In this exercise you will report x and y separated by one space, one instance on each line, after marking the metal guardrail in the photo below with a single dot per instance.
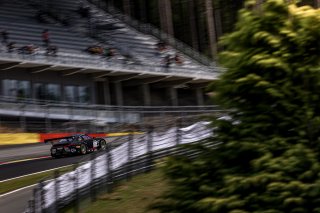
88 62
91 118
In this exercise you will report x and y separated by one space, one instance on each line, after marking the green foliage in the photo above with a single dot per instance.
269 159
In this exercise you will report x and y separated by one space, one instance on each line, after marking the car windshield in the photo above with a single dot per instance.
66 140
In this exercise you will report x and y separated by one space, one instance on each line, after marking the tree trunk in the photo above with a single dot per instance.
193 25
317 3
211 29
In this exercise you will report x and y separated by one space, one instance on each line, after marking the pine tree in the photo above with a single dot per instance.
268 161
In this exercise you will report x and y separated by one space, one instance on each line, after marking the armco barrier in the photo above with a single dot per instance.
135 155
18 138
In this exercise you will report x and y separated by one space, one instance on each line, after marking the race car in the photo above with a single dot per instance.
75 144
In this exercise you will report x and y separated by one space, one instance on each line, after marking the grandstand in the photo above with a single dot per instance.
137 73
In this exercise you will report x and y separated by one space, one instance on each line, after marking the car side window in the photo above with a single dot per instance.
86 137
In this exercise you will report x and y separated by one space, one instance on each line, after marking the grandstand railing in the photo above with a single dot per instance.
91 116
88 62
134 155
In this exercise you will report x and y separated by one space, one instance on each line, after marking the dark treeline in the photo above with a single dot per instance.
198 23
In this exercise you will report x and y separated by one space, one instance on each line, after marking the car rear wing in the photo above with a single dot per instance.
52 140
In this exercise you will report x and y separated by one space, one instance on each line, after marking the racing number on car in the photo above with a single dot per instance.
95 144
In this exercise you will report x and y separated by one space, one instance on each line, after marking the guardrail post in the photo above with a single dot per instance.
76 188
56 190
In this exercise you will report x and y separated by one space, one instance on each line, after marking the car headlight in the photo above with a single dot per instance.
53 151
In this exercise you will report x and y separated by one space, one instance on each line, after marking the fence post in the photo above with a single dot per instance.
36 200
109 168
76 187
42 200
56 190
149 148
178 132
93 194
130 149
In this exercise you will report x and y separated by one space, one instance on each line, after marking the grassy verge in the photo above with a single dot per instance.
130 197
18 183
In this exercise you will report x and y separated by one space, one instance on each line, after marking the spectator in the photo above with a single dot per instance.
28 49
95 49
45 37
161 46
5 36
11 46
52 50
178 59
167 61
41 17
84 11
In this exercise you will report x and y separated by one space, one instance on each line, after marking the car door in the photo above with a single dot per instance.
89 141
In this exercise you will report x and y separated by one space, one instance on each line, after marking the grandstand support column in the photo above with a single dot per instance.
119 94
107 97
63 98
173 96
200 99
146 94
93 93
1 88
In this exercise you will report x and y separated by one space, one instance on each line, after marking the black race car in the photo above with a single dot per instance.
75 144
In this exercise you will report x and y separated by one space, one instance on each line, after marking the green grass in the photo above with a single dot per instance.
130 197
18 183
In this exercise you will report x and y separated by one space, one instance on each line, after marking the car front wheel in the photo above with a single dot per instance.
103 145
83 149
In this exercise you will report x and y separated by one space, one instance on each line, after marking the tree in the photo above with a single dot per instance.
269 159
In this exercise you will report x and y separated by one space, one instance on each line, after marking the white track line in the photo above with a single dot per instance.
17 190
35 173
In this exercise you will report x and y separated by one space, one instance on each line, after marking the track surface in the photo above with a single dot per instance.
17 161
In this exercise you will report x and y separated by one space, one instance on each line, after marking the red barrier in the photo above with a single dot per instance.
44 136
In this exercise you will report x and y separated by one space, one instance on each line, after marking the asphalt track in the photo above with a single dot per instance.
23 160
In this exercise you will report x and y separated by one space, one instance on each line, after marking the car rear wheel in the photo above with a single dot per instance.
83 149
103 144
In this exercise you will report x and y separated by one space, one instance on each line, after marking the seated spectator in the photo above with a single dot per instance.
167 61
41 16
11 46
178 59
83 10
28 49
95 50
5 36
161 46
52 50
